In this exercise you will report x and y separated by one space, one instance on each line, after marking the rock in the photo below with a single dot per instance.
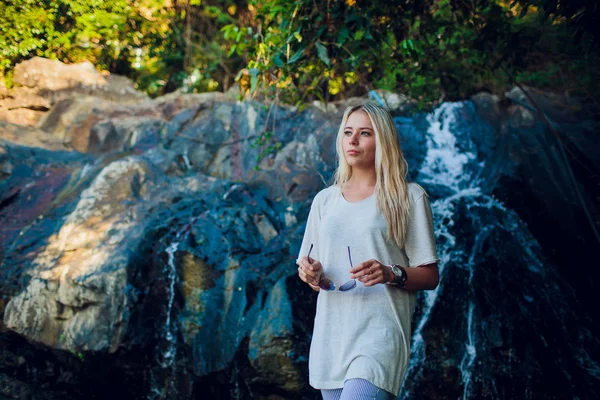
76 298
182 280
72 121
201 134
55 81
237 139
488 106
24 97
12 388
21 116
30 136
330 108
6 167
271 350
46 74
389 100
265 227
172 103
3 89
23 106
41 83
124 134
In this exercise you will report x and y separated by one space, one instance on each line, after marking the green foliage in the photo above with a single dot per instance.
438 50
62 29
152 41
302 50
267 144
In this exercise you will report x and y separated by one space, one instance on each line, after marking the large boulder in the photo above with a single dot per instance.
55 80
41 83
73 121
76 298
30 137
170 271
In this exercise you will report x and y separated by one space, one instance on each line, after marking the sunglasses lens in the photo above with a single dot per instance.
348 286
326 284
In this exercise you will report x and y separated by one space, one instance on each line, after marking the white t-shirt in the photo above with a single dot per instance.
365 332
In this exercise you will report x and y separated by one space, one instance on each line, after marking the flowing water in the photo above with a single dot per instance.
164 377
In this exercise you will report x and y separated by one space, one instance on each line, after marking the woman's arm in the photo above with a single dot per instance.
423 277
372 272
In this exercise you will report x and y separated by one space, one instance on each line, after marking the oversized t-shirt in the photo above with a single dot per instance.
365 332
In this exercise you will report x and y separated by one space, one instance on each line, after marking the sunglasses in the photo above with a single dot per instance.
327 284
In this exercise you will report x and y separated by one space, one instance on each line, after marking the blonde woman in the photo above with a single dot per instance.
368 247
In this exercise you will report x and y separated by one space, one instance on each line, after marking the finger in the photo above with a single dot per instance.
357 268
303 259
310 274
305 264
365 275
359 272
302 275
373 281
316 266
362 266
373 278
360 269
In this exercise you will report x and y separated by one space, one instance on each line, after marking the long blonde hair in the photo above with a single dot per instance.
391 169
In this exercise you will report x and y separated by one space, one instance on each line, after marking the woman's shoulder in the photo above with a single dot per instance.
415 191
326 194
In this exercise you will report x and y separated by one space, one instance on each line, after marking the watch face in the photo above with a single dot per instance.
400 274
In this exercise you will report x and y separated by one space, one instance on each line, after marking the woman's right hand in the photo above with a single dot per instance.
310 271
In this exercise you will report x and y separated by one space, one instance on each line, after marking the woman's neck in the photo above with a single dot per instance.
363 178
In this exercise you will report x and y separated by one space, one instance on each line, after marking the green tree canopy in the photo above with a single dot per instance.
303 50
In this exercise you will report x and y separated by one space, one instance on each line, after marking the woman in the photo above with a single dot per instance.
361 340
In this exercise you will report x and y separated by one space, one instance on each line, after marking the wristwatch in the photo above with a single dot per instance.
400 275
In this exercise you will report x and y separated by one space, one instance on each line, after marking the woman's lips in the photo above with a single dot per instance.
352 152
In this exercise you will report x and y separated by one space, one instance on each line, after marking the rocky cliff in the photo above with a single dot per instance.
147 246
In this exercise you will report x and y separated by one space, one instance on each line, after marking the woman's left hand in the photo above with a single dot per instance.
372 272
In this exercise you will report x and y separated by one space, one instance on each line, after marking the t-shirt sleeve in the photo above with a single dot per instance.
311 233
420 238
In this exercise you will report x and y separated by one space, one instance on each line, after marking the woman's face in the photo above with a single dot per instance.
359 141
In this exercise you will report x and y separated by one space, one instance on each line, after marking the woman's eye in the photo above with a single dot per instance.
365 133
347 133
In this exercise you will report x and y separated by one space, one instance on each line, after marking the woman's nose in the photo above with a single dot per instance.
354 138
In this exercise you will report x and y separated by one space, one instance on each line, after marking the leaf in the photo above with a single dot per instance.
232 50
296 55
358 35
343 35
253 79
322 53
277 60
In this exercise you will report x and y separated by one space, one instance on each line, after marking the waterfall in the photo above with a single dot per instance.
448 166
169 355
164 385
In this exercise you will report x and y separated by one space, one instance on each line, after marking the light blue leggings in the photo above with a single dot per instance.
357 389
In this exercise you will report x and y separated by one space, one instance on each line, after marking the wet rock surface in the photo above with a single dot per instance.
152 246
